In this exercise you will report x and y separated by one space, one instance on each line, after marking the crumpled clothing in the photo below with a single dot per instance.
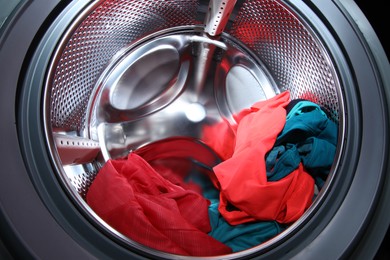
308 136
239 237
301 106
243 236
281 161
308 121
138 202
243 177
221 137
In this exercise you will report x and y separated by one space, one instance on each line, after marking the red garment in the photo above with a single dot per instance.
138 202
177 176
242 178
221 137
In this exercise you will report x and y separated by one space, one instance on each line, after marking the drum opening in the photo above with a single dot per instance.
129 79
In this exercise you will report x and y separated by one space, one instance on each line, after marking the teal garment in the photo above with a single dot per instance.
308 136
239 237
317 154
243 236
304 106
309 124
281 161
202 179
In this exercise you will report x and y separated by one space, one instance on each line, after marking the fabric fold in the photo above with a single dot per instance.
138 202
243 177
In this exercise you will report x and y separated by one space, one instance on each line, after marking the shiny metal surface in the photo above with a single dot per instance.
288 47
110 26
218 16
133 74
216 19
75 149
140 100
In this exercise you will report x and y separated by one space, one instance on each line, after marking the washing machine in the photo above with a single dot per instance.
87 82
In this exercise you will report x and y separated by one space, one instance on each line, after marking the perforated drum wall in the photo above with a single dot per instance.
107 29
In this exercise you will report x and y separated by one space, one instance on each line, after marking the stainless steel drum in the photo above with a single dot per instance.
129 73
119 75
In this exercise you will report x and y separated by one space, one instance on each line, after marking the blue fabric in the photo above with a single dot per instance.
238 237
317 154
308 136
203 181
243 236
303 106
281 161
310 124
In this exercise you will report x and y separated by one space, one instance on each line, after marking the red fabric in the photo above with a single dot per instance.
221 137
181 169
242 177
138 202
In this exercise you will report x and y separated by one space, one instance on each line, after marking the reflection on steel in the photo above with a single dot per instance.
130 76
218 16
76 149
179 147
151 91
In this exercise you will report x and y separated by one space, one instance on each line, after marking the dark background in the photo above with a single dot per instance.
376 13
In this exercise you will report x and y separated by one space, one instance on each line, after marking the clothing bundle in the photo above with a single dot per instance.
272 158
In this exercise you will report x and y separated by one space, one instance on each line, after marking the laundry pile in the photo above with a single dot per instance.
272 158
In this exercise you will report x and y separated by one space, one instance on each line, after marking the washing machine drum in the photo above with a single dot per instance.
115 113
